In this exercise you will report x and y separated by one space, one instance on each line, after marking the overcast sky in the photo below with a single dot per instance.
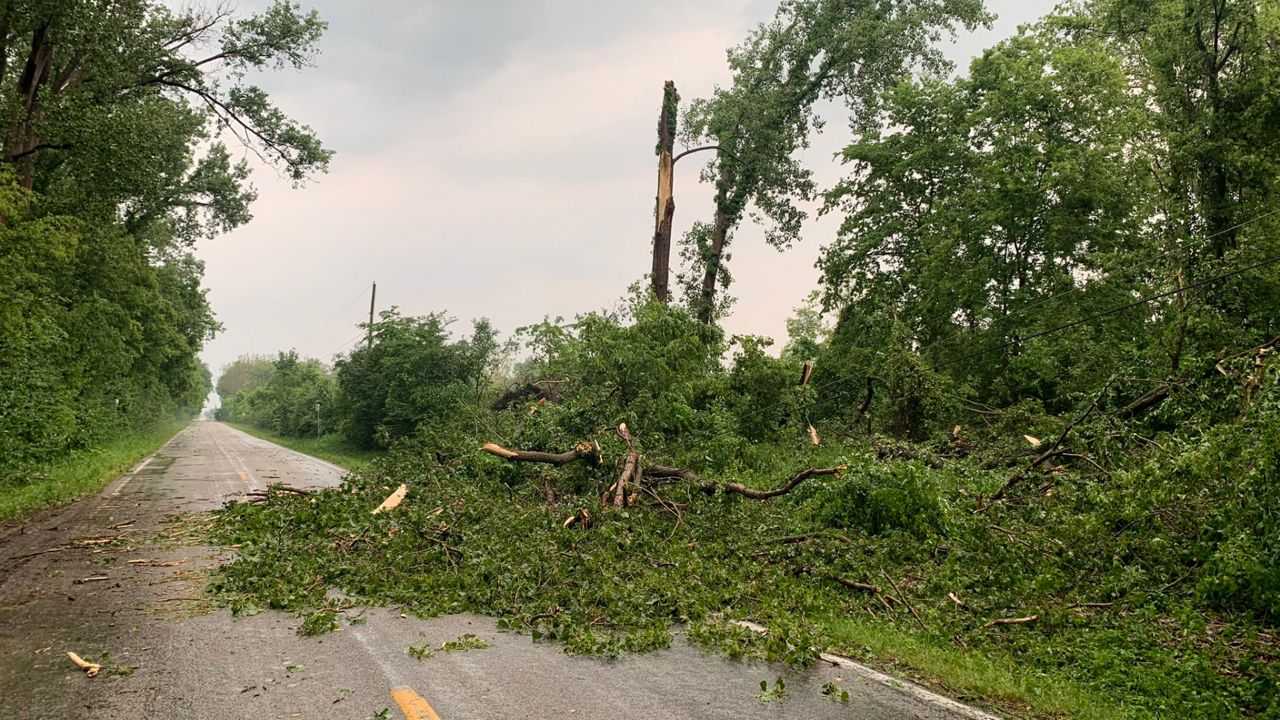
495 159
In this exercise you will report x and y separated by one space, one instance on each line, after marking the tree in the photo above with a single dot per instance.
87 71
978 200
112 167
847 50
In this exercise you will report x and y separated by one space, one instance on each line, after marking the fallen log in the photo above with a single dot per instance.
589 451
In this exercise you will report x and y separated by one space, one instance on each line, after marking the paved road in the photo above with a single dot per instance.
120 575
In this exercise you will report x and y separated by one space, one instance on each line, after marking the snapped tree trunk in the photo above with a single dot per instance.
665 206
715 253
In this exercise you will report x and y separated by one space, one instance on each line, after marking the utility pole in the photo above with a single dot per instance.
373 296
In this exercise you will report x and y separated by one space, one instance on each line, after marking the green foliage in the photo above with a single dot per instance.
112 170
882 500
650 366
777 692
413 377
849 51
289 397
835 692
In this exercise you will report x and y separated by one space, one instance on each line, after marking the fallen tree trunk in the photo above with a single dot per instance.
589 451
653 475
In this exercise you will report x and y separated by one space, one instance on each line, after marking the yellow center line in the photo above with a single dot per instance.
412 704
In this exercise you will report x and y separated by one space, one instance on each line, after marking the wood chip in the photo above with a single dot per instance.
1035 441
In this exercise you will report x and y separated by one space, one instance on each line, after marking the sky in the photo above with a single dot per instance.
494 158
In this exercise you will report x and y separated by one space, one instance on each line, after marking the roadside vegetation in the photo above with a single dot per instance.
113 166
63 480
333 448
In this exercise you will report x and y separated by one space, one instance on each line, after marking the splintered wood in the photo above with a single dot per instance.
90 669
393 500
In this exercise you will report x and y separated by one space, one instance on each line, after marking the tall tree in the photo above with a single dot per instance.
111 166
845 50
976 201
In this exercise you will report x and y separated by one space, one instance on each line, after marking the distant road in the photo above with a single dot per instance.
121 575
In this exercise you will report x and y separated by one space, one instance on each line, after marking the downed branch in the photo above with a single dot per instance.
855 585
1049 452
630 469
90 669
589 451
1012 621
393 500
530 390
790 485
662 475
258 496
581 517
903 598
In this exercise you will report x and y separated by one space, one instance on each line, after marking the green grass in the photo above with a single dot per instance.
333 448
81 473
992 678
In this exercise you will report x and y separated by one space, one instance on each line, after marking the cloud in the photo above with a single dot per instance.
493 159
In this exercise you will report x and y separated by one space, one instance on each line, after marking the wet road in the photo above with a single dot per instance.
120 577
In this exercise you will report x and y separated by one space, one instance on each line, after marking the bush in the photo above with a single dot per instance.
883 499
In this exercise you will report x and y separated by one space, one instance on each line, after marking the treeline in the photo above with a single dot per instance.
113 168
411 374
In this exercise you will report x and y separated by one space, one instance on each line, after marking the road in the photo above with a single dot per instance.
120 577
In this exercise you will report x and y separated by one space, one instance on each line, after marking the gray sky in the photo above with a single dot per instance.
495 159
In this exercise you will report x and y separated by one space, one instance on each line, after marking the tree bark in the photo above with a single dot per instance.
22 139
719 233
665 205
589 451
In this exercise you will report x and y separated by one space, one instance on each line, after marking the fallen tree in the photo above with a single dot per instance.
635 473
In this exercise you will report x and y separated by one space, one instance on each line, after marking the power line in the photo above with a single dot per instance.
339 314
345 345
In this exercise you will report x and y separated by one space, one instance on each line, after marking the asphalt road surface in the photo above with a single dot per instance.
119 577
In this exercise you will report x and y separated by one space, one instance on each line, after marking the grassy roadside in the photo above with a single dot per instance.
80 473
332 448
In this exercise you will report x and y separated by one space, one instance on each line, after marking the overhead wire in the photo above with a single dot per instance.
302 345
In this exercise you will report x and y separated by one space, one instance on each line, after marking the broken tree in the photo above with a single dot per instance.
665 208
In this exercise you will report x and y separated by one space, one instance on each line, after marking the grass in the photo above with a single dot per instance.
81 473
332 448
990 678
